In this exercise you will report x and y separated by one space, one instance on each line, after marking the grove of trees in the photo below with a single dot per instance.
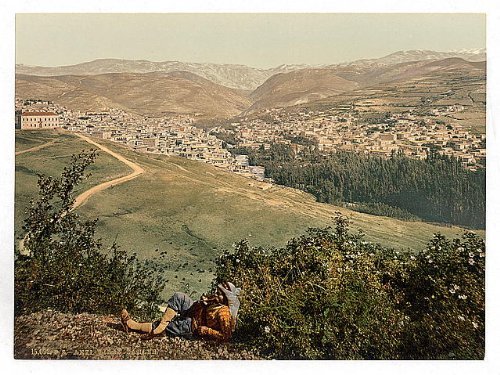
436 189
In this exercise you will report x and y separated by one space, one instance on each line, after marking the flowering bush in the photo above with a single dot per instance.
331 295
445 300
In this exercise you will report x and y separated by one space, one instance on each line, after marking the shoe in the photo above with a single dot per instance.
124 317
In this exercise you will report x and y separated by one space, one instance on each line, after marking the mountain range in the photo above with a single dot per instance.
214 90
474 55
231 75
153 93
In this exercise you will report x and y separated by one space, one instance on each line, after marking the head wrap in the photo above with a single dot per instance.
232 298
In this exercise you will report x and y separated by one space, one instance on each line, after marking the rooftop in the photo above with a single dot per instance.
38 114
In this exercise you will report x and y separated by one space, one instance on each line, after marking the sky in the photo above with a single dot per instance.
258 40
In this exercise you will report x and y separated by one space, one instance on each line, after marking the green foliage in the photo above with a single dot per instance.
436 189
228 138
63 265
301 140
445 300
331 295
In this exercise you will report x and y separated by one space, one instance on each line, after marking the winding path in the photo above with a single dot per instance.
83 197
137 170
36 148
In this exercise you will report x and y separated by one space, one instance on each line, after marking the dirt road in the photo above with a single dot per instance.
137 170
36 148
82 198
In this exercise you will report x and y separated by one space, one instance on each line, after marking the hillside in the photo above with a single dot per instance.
150 93
418 86
409 70
301 86
397 57
230 75
192 211
53 152
323 85
233 75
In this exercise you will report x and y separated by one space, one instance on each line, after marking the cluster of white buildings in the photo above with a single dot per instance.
335 131
174 136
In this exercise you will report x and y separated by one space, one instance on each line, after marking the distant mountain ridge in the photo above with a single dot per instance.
308 85
154 93
473 55
232 75
183 91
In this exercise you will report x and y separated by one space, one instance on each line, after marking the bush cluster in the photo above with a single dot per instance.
328 294
63 266
331 295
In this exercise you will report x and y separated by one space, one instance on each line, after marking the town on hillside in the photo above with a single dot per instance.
340 128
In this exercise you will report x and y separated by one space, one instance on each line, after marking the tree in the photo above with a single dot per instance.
64 267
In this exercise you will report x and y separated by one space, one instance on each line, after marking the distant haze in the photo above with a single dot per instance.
258 40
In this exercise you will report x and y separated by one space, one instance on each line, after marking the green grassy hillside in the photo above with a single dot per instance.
191 212
51 160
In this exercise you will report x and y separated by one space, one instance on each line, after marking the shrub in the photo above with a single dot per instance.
331 295
316 298
445 300
64 267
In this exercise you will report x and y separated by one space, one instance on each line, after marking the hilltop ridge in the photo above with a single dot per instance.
236 76
184 92
153 93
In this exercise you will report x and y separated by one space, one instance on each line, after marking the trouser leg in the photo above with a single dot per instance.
179 302
166 318
132 324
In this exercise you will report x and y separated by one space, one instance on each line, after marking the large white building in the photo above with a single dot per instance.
37 120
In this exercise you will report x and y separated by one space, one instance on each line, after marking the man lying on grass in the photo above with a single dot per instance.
210 317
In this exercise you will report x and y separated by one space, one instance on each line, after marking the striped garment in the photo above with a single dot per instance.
213 321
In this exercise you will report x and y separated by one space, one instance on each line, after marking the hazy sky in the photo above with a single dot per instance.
259 40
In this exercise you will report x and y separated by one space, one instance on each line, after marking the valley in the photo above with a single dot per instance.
168 117
278 184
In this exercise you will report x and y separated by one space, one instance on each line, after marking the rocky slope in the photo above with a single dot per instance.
150 93
230 75
54 335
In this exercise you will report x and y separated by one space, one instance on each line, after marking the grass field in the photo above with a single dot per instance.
51 161
26 140
191 211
